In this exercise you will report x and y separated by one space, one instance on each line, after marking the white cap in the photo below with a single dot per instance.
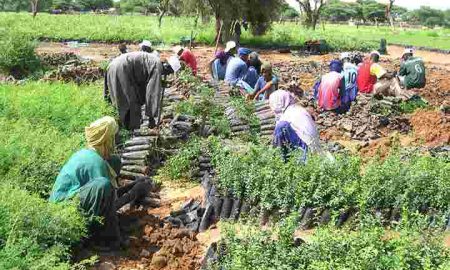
177 49
344 55
145 43
375 52
174 63
409 50
230 45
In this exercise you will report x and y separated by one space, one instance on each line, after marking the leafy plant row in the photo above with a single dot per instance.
369 248
35 234
258 174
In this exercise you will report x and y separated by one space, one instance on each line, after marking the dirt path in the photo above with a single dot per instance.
100 52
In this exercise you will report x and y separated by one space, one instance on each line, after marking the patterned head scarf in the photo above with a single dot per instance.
279 101
100 136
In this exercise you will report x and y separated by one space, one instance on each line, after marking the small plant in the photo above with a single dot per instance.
181 165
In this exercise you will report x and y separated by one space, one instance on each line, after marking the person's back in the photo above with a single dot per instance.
82 167
189 58
350 74
414 71
365 80
329 91
236 70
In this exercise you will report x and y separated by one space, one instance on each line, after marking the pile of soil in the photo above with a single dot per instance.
431 127
158 245
437 90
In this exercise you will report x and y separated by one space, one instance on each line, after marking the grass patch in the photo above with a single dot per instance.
107 28
42 125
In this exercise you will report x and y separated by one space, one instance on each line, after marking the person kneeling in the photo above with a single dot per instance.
91 175
295 127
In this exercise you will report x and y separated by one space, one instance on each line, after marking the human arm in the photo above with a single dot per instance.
260 90
342 87
316 89
402 71
210 64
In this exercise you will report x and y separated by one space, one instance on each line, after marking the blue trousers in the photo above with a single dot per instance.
286 138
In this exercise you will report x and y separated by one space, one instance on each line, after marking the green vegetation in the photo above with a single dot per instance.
181 165
135 28
369 248
411 182
35 234
204 107
42 125
17 55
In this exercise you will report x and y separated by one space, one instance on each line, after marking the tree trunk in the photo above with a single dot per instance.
34 7
218 37
389 13
161 15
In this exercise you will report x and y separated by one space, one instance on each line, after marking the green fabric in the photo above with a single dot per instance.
414 71
85 174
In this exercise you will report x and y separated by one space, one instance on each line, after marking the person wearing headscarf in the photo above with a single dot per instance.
218 65
91 175
295 128
330 88
266 84
186 56
134 79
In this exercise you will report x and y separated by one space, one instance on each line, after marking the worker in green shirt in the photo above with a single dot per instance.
412 71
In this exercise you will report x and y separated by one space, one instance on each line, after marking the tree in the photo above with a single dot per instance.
34 7
311 10
339 11
389 15
287 12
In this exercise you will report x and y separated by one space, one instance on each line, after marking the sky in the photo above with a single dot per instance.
409 4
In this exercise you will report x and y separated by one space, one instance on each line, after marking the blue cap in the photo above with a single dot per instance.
244 51
336 65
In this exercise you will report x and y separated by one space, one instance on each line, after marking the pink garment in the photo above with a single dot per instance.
328 96
279 101
189 58
303 125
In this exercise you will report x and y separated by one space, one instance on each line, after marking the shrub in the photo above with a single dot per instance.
35 234
17 54
369 248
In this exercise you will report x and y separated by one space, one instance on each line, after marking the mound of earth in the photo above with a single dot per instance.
431 127
158 245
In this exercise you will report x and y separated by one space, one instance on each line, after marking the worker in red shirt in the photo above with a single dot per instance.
187 57
374 79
